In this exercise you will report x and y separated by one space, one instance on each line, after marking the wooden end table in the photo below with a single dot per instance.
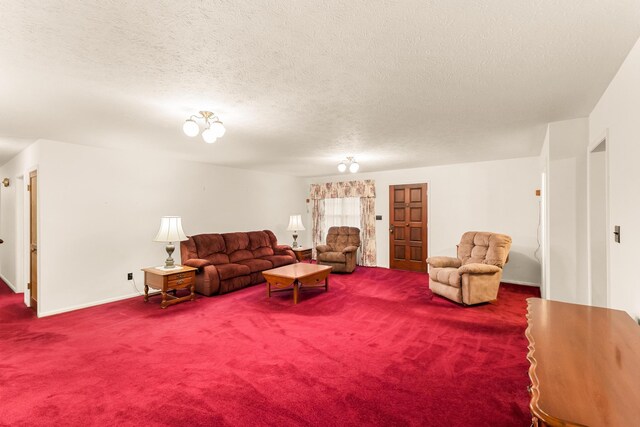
297 276
170 280
302 254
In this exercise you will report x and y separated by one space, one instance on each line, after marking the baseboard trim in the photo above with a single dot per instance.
9 284
87 305
519 282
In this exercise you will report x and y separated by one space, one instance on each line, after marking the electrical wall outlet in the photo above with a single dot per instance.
129 276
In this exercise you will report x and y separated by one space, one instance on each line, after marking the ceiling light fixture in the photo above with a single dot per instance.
351 163
213 130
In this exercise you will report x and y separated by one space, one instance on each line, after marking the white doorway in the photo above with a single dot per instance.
597 223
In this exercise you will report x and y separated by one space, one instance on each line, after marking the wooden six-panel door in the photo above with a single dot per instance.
408 227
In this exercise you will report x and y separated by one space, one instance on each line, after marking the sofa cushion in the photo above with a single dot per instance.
229 271
236 241
256 265
240 255
211 247
447 275
484 248
238 246
332 257
279 260
258 239
262 252
260 244
341 237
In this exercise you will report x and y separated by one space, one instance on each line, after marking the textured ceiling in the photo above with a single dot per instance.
300 85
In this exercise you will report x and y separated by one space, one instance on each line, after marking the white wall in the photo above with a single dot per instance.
12 268
618 111
564 153
545 247
598 230
100 210
494 196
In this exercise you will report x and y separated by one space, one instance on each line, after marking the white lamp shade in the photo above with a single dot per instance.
342 167
170 230
190 128
218 129
295 223
353 167
209 136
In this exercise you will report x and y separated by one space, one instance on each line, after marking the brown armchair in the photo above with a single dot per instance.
340 250
474 276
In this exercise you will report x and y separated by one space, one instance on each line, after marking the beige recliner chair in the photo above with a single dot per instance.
340 250
474 276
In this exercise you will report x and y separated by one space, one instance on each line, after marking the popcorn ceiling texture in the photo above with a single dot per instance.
300 85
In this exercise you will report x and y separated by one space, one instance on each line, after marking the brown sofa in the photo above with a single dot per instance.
231 261
340 250
474 276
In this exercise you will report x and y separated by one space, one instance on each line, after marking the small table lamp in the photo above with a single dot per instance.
295 225
170 231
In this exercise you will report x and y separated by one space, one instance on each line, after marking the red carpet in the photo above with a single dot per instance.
377 349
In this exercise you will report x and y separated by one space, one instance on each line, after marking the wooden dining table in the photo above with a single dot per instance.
584 365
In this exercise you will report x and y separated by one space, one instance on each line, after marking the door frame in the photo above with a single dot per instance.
24 251
388 222
592 146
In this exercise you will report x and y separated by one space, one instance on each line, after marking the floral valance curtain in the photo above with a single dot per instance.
338 190
366 191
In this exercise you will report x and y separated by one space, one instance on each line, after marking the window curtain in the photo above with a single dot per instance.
366 192
317 217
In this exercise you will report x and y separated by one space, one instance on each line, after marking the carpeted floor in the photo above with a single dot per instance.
377 349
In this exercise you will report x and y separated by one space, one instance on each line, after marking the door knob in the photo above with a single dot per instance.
391 228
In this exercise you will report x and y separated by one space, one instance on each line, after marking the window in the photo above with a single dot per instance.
341 212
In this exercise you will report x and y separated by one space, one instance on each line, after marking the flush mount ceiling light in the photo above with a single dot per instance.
213 127
350 163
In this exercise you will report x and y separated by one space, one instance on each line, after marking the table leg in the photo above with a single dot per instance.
326 284
164 304
146 293
268 289
296 289
193 291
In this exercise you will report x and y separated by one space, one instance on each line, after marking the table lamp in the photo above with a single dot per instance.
170 231
295 225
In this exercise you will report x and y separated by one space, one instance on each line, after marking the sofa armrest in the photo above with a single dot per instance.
443 262
476 268
323 248
282 249
197 263
349 249
208 283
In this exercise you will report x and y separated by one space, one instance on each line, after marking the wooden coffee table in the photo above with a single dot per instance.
297 276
